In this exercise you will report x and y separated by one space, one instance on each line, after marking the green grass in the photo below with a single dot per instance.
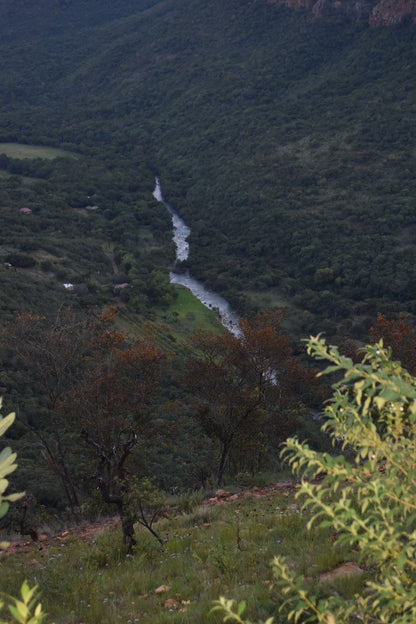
20 150
186 315
190 312
209 552
172 328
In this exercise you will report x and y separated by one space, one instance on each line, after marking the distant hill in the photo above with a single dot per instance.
284 138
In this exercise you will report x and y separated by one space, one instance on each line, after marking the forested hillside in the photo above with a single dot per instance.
286 141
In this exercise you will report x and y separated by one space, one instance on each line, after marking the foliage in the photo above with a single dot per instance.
27 610
212 550
111 410
281 139
242 386
89 226
7 466
94 383
368 500
399 334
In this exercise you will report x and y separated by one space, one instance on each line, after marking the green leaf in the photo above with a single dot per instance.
27 593
3 508
6 422
12 498
7 466
5 453
16 614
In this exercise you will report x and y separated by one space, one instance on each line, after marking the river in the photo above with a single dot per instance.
208 298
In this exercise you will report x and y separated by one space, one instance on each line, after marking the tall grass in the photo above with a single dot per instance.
211 551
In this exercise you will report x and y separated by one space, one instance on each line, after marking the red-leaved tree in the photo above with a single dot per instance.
240 382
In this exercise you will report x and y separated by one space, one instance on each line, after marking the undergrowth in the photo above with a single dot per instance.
208 551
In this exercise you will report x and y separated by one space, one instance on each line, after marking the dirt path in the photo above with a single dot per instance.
82 533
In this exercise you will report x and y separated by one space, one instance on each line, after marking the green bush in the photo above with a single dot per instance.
21 260
367 498
26 610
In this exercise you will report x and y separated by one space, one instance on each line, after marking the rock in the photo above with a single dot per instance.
375 12
346 569
161 589
221 494
389 12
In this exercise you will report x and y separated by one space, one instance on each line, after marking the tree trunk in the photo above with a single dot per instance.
225 451
127 525
128 529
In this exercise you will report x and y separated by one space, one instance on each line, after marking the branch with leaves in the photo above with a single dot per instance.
27 610
366 495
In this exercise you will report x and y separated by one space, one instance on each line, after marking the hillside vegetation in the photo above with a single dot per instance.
71 220
285 141
208 550
355 506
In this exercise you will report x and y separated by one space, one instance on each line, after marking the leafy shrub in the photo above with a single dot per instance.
26 610
369 502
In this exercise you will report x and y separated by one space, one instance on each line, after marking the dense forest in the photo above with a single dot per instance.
284 140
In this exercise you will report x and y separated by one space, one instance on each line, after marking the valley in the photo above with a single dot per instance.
284 140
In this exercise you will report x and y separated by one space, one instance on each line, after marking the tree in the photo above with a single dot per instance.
159 290
400 335
240 380
98 384
111 407
51 354
368 500
144 503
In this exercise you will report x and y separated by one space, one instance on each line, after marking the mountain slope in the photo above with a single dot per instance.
285 141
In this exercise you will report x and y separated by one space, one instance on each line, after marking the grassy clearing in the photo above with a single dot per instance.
212 551
186 315
190 312
20 150
173 327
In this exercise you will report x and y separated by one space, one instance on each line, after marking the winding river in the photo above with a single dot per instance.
207 297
